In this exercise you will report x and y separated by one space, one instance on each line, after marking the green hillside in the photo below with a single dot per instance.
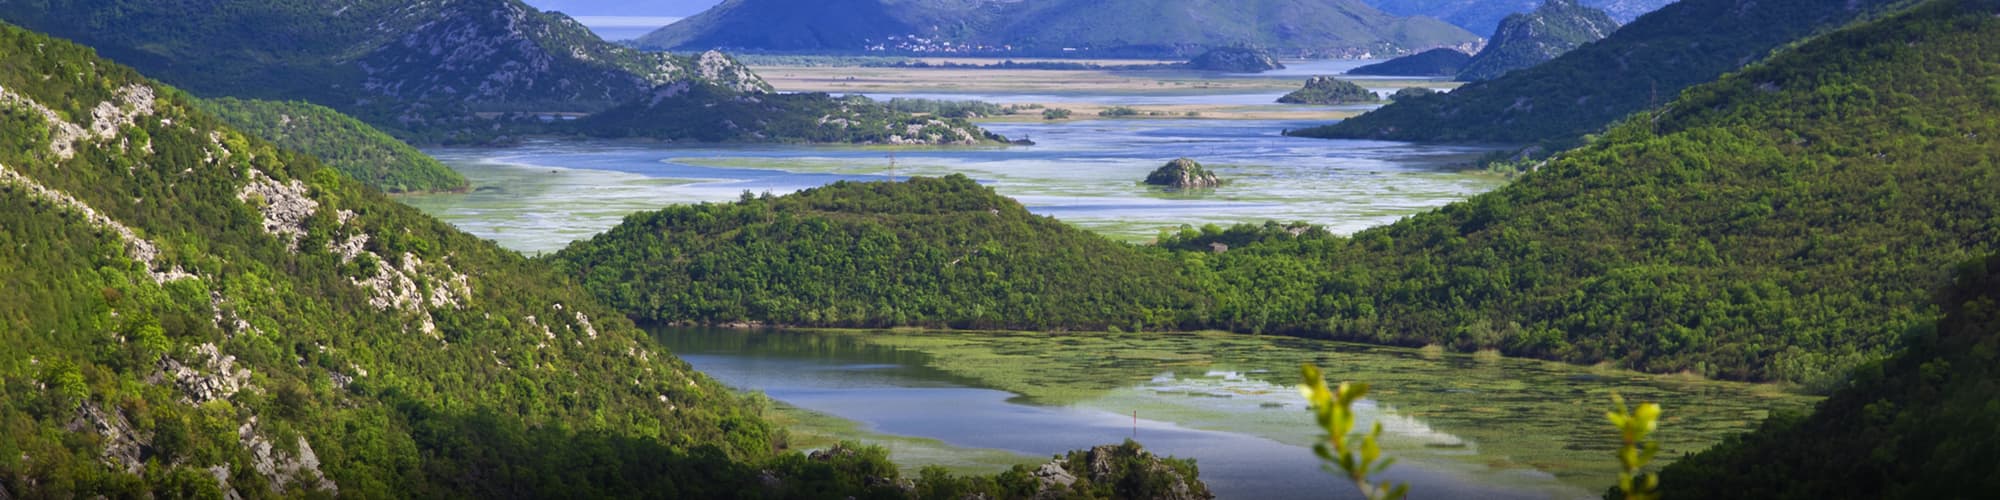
1643 64
710 114
1922 424
1525 40
1151 28
932 252
1785 223
346 144
187 311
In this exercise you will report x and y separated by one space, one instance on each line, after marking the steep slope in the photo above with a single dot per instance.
346 144
1484 16
1156 28
1785 223
188 311
1434 62
1643 64
934 252
442 71
1525 40
198 307
1922 424
820 25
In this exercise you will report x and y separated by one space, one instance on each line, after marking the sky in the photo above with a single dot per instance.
625 19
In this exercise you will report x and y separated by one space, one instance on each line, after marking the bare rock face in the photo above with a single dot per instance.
121 442
1053 476
212 375
285 206
1183 173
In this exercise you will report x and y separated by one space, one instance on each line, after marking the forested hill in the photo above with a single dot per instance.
1643 64
1525 40
187 311
1784 223
194 304
427 72
931 252
1149 28
346 144
1923 424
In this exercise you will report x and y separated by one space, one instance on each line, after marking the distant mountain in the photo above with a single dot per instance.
1643 64
1525 40
1434 62
1157 28
1484 16
435 71
346 144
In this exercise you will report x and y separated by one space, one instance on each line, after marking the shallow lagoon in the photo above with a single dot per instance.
540 196
1462 426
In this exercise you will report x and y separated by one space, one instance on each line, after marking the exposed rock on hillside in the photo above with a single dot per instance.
1525 40
1183 173
1327 90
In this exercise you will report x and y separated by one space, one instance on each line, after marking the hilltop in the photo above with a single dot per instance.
1525 40
1484 16
1149 28
428 72
1643 64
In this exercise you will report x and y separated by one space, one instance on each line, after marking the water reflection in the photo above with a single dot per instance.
1463 426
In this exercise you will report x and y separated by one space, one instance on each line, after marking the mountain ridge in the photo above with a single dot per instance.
1155 28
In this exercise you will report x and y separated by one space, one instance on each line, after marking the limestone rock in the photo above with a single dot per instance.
1327 90
1183 173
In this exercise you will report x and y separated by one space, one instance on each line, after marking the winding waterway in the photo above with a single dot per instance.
1462 426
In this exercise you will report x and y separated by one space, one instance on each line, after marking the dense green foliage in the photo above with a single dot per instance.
346 144
1525 40
80 306
1326 90
1235 60
1643 64
1411 93
189 311
1434 62
1148 28
1785 223
1923 424
714 114
932 252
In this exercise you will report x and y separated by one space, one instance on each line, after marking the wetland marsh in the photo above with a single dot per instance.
1461 425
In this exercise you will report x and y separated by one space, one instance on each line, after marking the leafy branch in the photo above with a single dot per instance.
1636 427
1358 457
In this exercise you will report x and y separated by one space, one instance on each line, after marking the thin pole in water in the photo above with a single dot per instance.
1135 423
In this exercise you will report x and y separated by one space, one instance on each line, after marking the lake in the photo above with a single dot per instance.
540 196
1462 426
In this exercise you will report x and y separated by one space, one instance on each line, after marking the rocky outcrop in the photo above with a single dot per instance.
1327 90
284 468
1183 173
1132 471
285 206
1235 60
139 249
210 376
122 444
1525 40
1411 93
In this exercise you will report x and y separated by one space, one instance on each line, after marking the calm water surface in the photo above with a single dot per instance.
1463 428
540 196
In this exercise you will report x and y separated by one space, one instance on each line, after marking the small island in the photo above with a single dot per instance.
1235 60
1325 90
1183 173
